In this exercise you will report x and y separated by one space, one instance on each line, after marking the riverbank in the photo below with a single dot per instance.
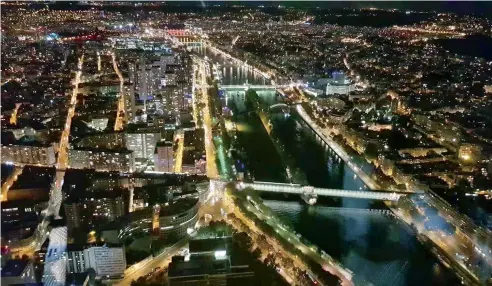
257 218
451 244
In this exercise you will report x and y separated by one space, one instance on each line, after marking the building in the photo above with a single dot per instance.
19 219
29 154
139 138
213 247
313 91
209 263
106 261
75 215
150 76
94 208
55 259
174 220
111 140
119 160
98 123
339 84
469 153
448 133
19 272
142 143
169 79
26 146
194 159
171 100
164 157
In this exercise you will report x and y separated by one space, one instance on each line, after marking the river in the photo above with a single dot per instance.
378 248
232 74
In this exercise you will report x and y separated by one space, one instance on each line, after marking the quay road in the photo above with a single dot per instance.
340 152
448 244
324 260
451 244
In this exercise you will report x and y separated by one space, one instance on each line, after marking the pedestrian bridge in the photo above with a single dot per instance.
278 105
248 86
308 190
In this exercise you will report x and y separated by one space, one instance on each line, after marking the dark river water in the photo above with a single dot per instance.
378 248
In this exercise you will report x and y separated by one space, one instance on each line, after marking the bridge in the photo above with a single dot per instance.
248 86
242 86
309 190
278 105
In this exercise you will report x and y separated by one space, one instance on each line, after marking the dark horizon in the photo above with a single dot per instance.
460 7
482 8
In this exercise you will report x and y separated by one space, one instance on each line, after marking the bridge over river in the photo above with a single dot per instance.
312 192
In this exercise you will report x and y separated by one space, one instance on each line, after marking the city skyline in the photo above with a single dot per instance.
246 143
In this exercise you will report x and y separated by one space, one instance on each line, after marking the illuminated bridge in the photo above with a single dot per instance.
314 192
248 86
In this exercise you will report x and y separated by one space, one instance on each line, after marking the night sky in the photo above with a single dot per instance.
466 7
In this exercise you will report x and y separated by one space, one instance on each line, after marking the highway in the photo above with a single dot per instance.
120 112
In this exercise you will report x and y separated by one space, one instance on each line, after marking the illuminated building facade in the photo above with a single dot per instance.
106 261
108 160
339 84
44 155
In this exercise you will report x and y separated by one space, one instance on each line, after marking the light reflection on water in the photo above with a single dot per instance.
377 248
233 74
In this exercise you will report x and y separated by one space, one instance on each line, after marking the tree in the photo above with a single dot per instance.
243 240
257 253
231 216
371 150
287 262
270 261
263 243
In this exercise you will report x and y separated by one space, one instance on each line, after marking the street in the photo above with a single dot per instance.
120 112
161 260
212 171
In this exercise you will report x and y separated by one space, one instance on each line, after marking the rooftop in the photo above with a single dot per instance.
14 268
209 244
